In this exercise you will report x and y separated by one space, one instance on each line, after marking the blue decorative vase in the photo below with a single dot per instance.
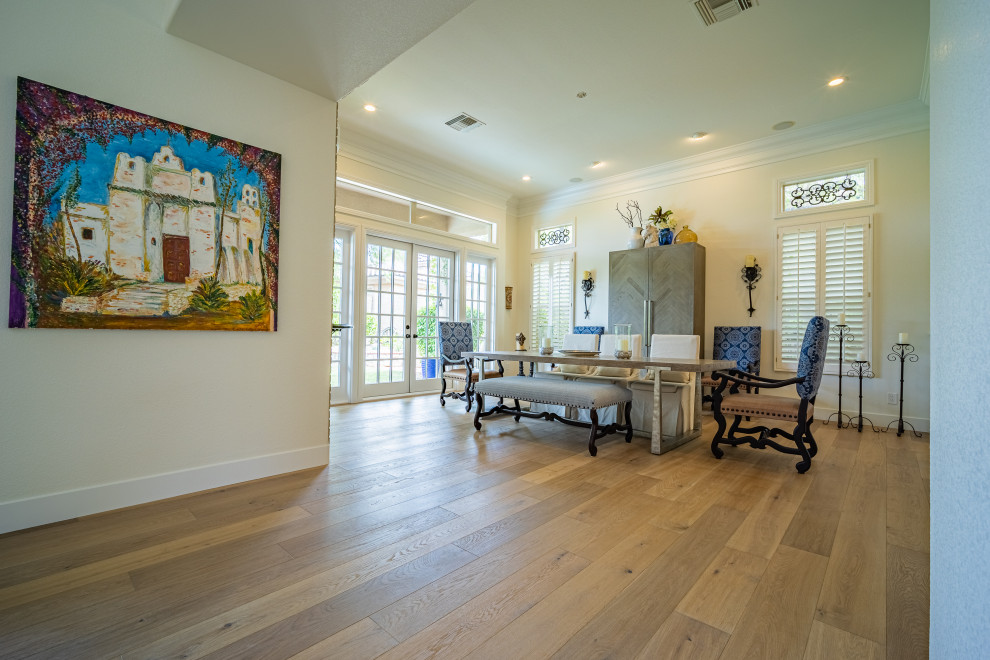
666 236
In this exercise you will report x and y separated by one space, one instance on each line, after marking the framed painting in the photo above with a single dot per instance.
123 220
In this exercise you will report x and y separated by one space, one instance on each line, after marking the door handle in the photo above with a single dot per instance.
407 336
415 336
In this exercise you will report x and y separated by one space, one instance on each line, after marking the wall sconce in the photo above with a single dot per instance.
751 274
587 285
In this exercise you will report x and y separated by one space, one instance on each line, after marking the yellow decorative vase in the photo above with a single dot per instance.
686 236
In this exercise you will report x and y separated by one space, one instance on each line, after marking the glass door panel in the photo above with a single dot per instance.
434 303
386 318
408 290
340 344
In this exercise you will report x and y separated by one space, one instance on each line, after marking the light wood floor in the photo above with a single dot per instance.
424 539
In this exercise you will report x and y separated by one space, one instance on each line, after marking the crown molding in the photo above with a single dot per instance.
890 121
363 148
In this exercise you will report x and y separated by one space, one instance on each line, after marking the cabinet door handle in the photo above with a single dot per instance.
647 322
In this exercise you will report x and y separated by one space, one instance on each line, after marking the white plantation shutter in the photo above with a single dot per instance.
553 296
845 285
798 299
824 270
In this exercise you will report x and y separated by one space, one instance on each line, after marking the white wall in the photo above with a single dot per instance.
94 420
960 285
733 215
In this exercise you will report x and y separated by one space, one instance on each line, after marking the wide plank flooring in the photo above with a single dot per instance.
424 538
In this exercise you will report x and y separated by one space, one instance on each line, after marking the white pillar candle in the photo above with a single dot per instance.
546 343
902 338
623 344
750 261
861 356
842 318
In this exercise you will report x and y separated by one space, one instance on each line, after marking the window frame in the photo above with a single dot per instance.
782 210
549 248
489 288
862 339
412 203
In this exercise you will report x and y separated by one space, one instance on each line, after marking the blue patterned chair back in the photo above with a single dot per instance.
454 338
812 362
589 330
741 343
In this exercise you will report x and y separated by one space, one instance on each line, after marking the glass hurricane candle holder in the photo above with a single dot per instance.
546 340
623 341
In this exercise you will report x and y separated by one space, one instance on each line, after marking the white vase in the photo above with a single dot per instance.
636 239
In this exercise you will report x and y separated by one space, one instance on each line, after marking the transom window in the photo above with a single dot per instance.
385 204
849 187
554 237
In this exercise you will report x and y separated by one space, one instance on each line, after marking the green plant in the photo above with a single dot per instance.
64 276
253 305
209 296
661 219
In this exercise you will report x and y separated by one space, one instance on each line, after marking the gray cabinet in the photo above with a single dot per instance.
659 290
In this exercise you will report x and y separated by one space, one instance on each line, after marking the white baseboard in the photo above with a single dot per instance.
44 509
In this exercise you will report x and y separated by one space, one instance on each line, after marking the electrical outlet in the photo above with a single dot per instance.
892 398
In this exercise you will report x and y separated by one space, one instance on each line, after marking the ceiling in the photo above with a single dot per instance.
652 72
326 46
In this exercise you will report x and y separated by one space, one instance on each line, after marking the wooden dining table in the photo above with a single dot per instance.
659 443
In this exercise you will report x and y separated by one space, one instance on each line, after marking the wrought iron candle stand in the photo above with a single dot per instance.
902 352
861 369
841 332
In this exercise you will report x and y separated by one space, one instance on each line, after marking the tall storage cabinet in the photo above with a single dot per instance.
659 290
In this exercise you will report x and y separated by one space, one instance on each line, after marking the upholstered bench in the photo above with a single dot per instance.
551 391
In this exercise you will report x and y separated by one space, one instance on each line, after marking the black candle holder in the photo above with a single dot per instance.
861 369
902 352
841 332
587 286
751 275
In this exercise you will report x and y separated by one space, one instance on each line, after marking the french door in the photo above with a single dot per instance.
408 290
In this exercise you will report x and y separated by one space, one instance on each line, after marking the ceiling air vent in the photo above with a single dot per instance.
464 122
714 11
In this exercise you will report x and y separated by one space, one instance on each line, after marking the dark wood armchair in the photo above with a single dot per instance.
728 400
455 338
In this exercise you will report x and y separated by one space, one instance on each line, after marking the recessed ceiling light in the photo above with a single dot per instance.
782 125
369 107
835 82
526 177
577 179
597 163
698 135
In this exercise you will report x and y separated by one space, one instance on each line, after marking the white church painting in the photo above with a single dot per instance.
123 220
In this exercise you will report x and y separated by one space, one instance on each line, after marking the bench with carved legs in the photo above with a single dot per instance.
551 391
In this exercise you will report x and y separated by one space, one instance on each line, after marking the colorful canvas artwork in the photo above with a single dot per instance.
123 220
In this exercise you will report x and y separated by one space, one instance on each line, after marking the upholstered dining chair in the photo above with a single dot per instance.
454 339
741 343
589 329
728 400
